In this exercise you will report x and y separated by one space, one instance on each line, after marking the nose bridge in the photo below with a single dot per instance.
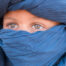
24 27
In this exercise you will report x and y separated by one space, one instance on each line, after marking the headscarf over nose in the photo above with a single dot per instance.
50 9
43 48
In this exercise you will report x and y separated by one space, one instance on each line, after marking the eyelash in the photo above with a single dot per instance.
35 24
10 24
32 25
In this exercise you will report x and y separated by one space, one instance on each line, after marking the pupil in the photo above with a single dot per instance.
13 26
37 26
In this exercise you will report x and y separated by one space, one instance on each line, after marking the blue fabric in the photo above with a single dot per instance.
4 61
50 9
5 4
42 48
63 61
3 7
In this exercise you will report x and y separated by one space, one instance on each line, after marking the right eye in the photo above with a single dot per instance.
12 26
37 26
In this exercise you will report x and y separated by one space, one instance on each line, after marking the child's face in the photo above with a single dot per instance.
24 20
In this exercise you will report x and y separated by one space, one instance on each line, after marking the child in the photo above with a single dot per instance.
22 20
29 39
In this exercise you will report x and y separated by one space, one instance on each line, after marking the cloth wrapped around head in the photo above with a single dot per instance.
42 48
50 9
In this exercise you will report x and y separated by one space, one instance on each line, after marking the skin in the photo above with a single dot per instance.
24 20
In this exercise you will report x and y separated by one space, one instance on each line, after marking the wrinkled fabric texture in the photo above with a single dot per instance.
50 9
42 48
4 61
62 61
5 4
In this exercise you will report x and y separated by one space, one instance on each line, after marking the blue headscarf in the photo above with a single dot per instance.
50 9
42 48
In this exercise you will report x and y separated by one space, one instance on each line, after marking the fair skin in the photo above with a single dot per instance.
24 20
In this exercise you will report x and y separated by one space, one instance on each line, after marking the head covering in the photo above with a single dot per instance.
42 48
5 4
50 9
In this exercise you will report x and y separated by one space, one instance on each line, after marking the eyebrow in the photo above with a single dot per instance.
35 18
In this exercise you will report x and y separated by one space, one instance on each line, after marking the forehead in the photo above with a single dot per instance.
20 16
21 13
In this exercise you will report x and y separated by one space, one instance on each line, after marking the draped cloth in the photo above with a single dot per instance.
50 9
42 48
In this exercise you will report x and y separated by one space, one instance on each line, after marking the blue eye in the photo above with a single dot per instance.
12 26
37 26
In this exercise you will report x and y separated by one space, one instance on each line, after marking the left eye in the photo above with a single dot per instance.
37 26
12 26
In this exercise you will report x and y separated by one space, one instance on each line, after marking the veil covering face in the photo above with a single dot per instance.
42 48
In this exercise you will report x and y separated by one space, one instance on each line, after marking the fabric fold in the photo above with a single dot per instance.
42 48
54 10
